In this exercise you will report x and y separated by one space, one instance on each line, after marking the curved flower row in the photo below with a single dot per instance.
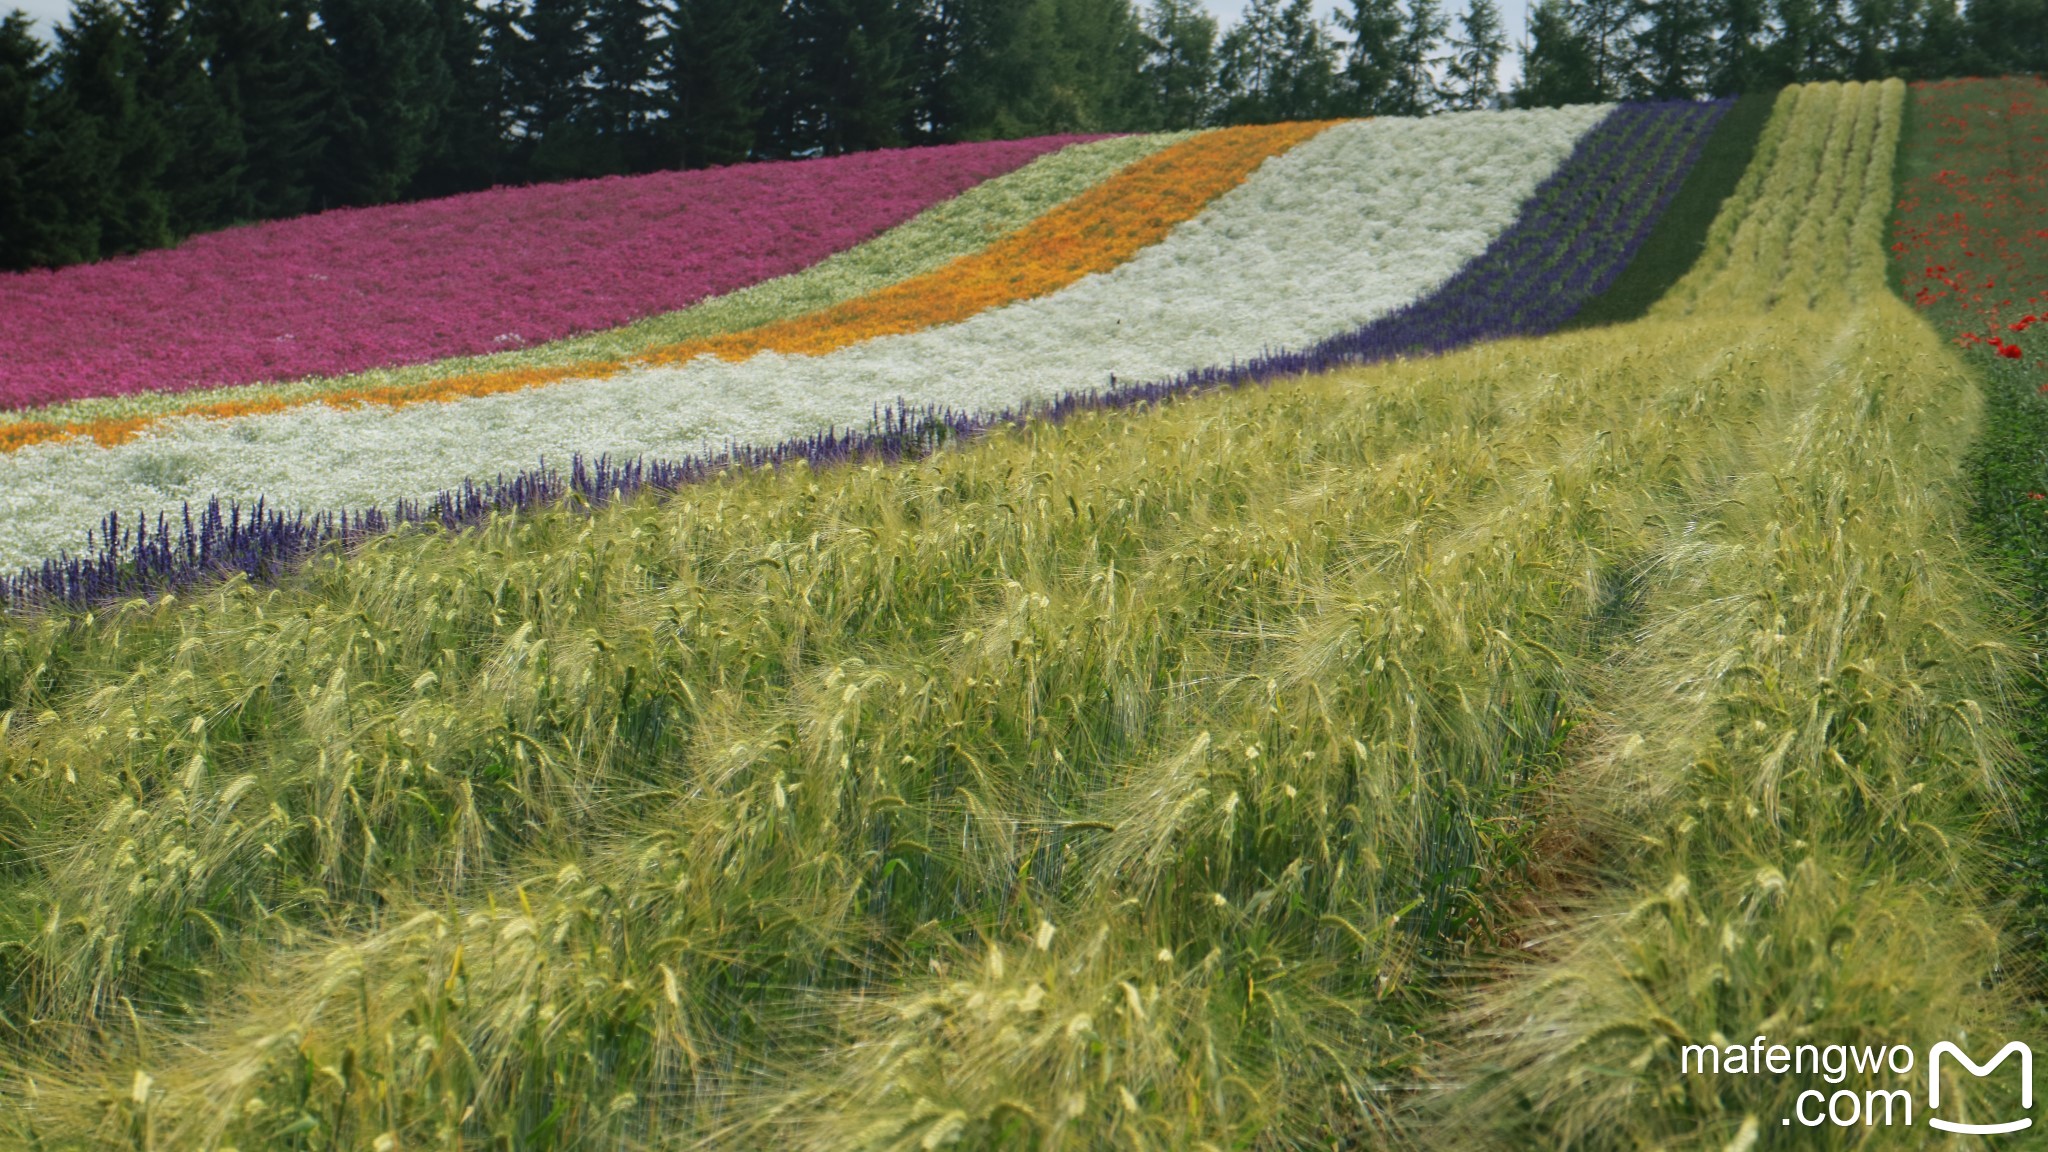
350 290
1095 231
961 226
1408 201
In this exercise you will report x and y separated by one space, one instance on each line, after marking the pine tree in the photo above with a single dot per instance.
1278 63
849 84
465 145
391 84
205 146
1558 63
1740 59
1473 73
1673 51
1181 66
717 69
1414 91
1373 60
99 68
625 61
269 72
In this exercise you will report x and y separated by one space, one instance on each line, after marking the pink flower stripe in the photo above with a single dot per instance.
350 290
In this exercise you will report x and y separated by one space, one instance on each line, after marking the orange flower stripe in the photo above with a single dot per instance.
1094 232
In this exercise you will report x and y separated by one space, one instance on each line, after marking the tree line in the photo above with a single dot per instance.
149 120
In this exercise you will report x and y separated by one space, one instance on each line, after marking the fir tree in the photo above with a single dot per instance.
1373 60
1414 90
391 84
465 143
849 81
40 179
1278 63
543 49
22 74
1609 28
2006 36
274 88
1672 51
1181 65
1003 68
115 131
1558 65
1740 59
205 145
625 62
1811 42
1473 73
717 69
971 76
1088 67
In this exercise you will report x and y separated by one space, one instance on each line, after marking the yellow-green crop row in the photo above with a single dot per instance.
1160 779
1796 758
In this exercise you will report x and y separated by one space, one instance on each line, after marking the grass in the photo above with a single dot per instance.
1159 779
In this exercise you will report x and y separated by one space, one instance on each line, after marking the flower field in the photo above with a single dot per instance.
1263 681
1970 252
950 229
1066 303
359 289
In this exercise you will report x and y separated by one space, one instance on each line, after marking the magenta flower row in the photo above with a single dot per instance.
354 289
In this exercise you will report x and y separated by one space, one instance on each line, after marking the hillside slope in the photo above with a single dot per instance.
1453 230
1156 777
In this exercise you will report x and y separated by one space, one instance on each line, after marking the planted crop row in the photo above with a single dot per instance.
355 289
1799 752
960 226
1155 758
1246 274
1574 236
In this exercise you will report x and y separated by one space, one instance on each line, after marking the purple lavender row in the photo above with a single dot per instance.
1572 238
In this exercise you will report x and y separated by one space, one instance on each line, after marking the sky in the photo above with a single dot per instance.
46 12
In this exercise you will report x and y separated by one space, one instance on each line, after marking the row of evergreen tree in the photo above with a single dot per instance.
148 120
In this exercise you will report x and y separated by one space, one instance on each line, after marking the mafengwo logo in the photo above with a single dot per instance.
2026 1068
1950 1075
